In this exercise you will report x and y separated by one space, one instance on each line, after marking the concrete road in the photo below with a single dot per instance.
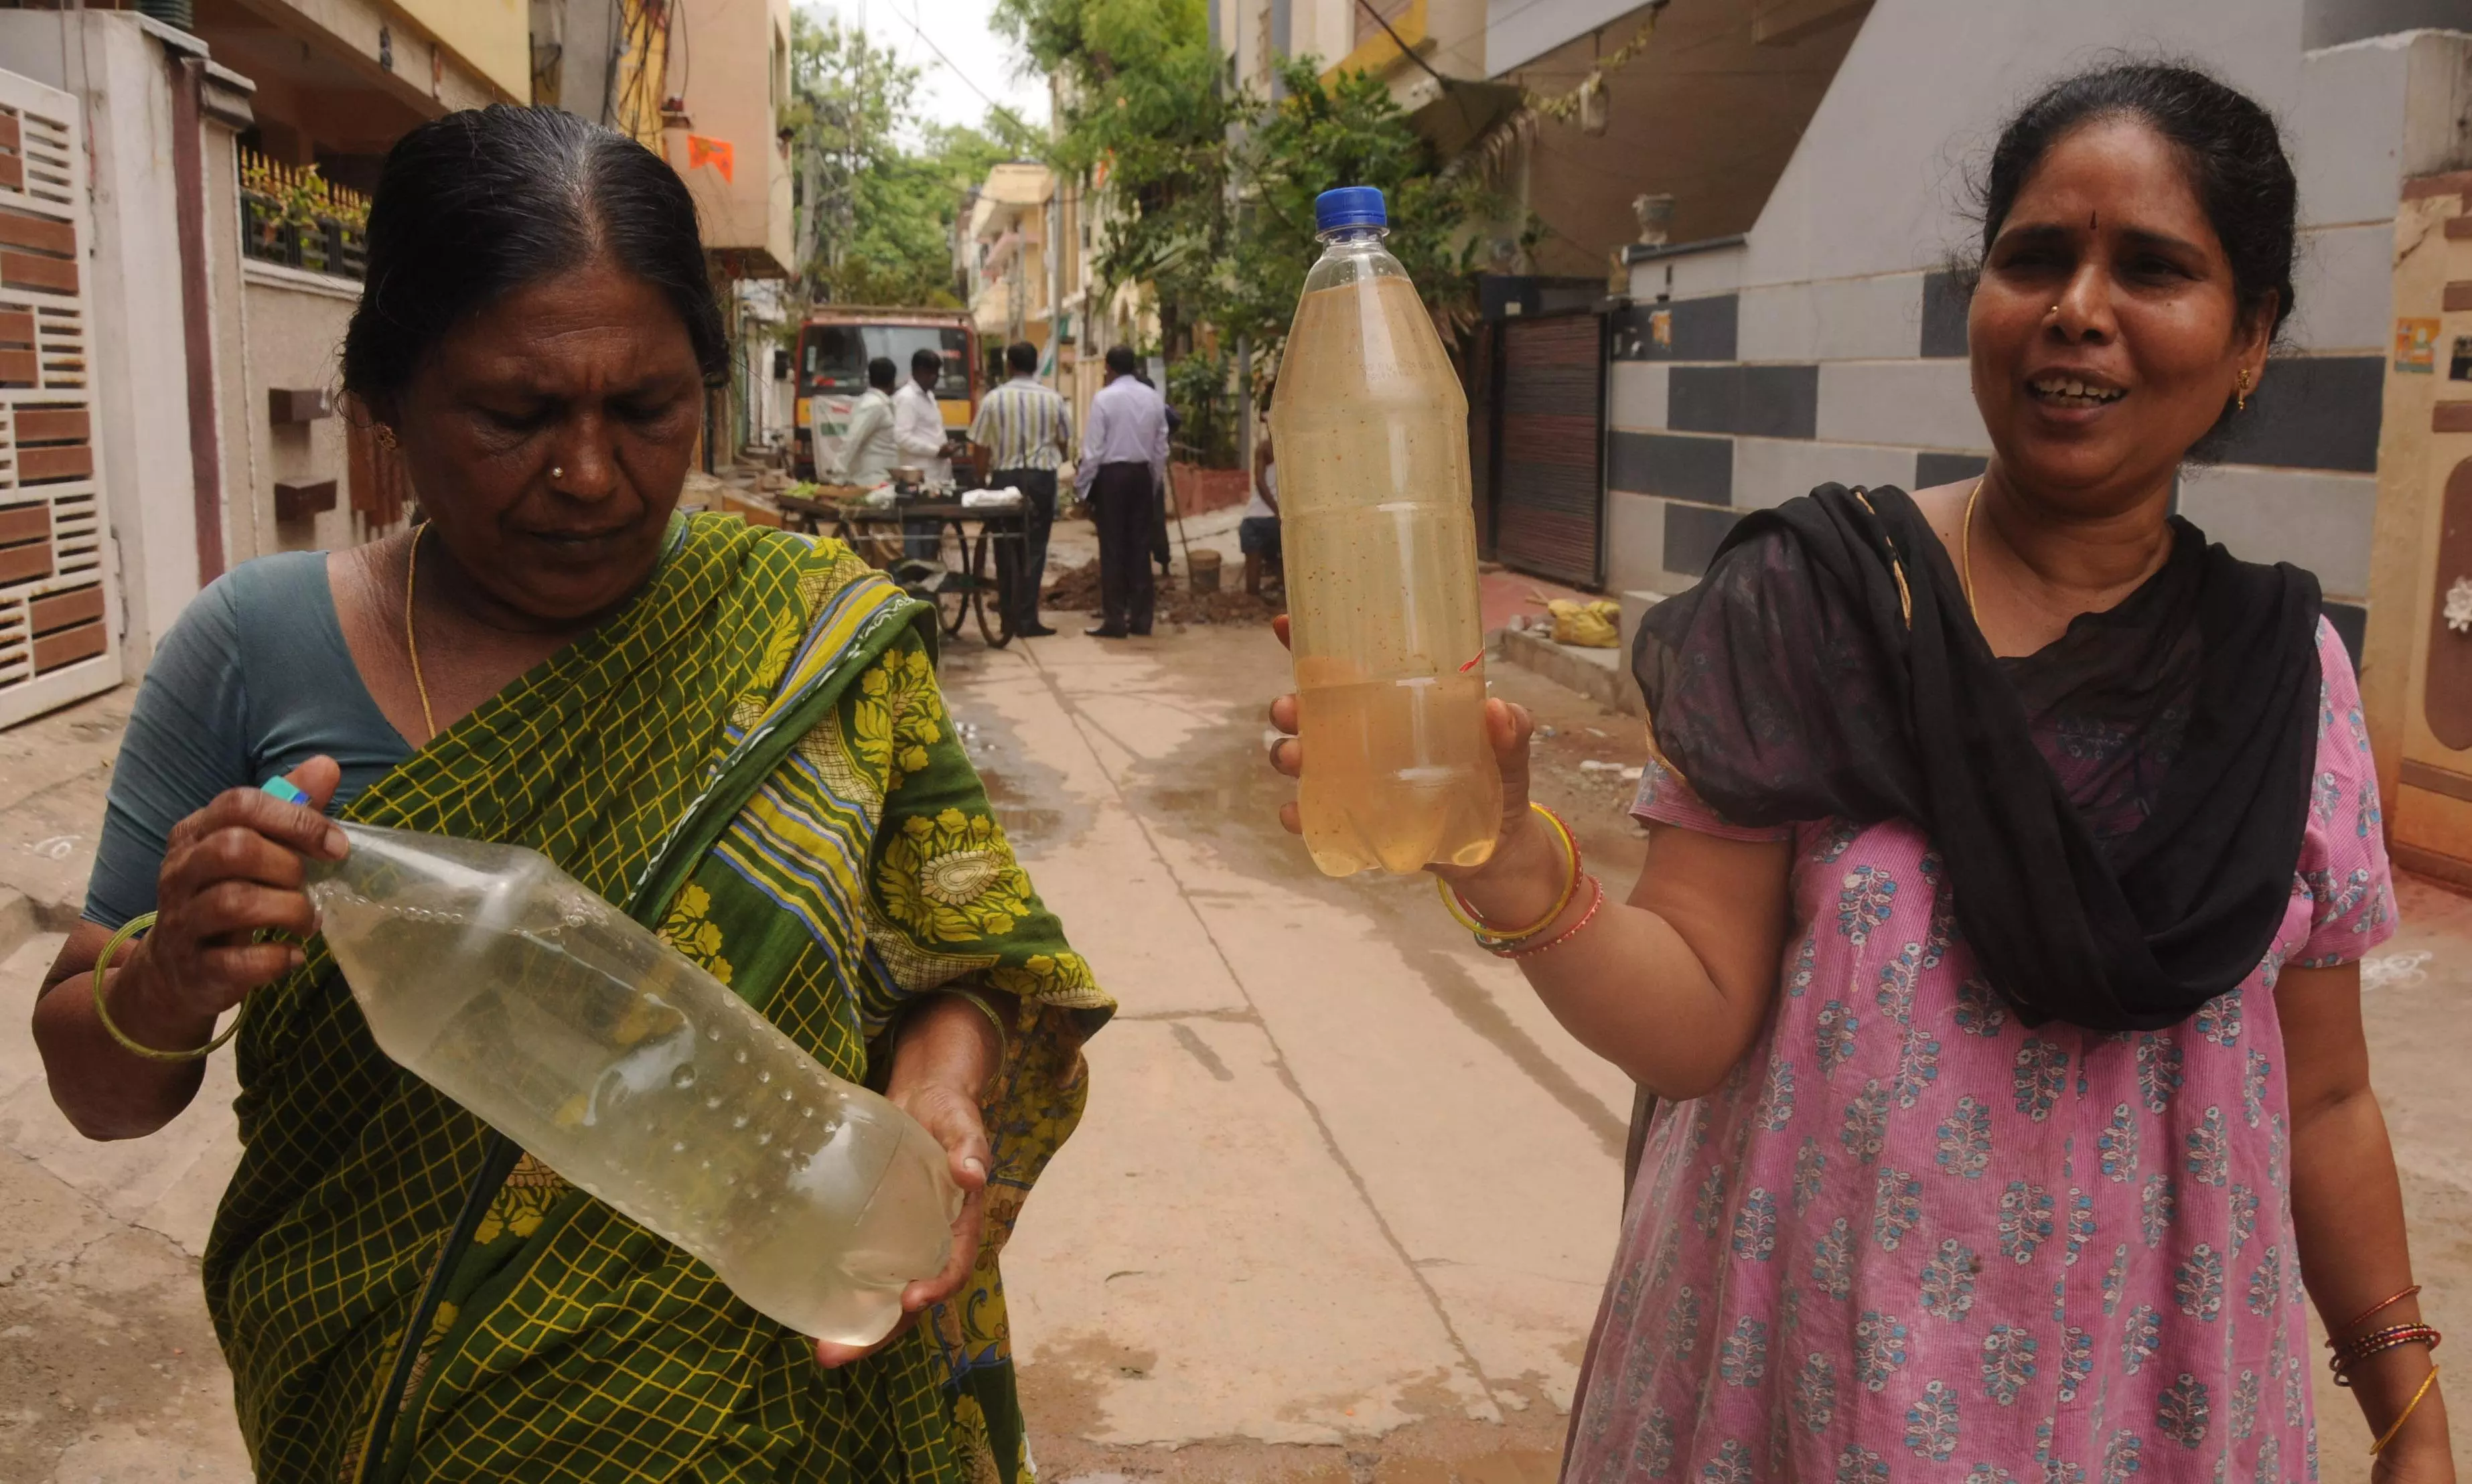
1344 1197
1343 1185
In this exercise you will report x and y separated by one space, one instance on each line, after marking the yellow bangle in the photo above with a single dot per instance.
103 965
1495 937
2426 1381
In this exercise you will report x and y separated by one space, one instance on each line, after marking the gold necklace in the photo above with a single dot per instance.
411 644
1965 550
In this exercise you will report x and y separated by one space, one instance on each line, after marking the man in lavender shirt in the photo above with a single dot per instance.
1124 464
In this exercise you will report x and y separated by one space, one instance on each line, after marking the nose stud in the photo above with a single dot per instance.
556 472
2054 310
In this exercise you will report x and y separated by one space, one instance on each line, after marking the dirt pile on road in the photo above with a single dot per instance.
1178 606
1075 589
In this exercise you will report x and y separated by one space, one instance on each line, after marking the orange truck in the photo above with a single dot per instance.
838 341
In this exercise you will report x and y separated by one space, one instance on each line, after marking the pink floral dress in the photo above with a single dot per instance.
1911 1238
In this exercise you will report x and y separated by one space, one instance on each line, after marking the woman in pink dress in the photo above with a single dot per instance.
1996 958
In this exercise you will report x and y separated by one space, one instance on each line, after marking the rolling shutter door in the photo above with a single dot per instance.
1549 504
60 615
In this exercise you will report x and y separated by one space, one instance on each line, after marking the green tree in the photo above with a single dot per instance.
1209 189
1145 115
878 188
1347 132
1198 388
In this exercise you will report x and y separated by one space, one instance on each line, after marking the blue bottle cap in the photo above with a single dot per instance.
284 790
1350 205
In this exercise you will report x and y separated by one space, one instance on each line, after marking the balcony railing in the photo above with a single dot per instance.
290 214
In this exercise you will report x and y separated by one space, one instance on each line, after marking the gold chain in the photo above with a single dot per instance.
1965 550
412 644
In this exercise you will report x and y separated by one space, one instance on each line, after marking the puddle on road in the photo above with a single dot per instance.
1218 788
1030 802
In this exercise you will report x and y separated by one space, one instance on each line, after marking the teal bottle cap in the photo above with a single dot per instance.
283 788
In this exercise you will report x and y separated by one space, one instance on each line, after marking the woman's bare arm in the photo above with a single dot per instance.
231 871
2347 1209
1672 986
104 1091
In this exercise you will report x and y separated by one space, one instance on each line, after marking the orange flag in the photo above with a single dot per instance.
716 153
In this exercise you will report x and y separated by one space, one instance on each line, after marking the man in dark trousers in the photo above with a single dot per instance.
1159 550
1027 432
1124 465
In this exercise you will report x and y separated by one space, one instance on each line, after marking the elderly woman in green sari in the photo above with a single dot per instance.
733 734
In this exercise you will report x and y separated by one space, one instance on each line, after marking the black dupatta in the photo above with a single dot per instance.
1828 667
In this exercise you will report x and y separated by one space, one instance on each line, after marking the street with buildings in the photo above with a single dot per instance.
1345 1201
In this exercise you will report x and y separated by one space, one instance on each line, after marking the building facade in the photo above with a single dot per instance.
224 169
1007 272
221 262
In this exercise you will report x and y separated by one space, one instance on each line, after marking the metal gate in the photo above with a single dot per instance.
59 609
1549 500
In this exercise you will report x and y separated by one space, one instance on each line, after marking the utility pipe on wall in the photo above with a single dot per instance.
188 75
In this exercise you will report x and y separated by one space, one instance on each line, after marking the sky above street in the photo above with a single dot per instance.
975 64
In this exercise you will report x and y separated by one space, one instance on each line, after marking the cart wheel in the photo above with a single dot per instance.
958 590
990 592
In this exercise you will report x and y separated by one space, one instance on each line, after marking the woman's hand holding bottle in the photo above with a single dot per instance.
231 871
1525 873
944 1054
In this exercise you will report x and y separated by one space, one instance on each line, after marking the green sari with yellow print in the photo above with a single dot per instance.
753 758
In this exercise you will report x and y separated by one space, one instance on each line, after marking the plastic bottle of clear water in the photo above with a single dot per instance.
567 1027
1379 535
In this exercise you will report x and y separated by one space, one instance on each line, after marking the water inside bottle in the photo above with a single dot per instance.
1380 539
733 1144
1388 780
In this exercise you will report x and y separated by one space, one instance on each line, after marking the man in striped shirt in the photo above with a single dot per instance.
1027 432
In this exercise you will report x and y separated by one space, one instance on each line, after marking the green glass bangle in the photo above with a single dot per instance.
102 966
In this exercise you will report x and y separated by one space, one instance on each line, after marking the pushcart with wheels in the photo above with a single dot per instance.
976 547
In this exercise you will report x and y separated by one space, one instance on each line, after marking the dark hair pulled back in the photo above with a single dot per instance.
2232 150
485 201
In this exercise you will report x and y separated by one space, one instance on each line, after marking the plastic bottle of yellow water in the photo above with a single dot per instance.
564 1025
1380 539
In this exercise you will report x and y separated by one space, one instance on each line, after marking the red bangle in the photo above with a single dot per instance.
2376 1343
1596 900
2374 1309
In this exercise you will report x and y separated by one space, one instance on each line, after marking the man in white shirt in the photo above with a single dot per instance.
918 423
918 432
867 450
1124 465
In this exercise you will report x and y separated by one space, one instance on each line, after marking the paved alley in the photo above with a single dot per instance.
1344 1195
1341 1175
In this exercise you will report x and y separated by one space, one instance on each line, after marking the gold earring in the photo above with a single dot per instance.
2240 396
385 436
